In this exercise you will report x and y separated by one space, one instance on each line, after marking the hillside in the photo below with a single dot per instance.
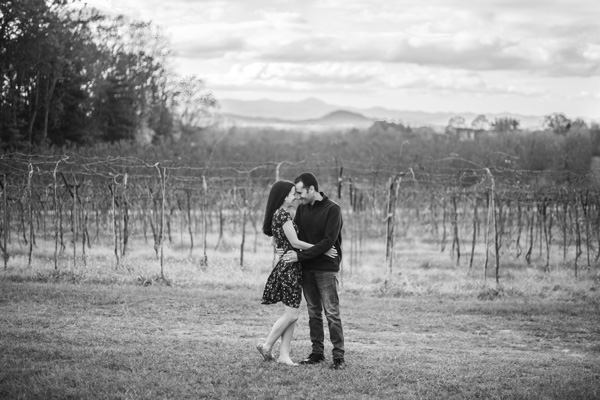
345 117
337 118
312 110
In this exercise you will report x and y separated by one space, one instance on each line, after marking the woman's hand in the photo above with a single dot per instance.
331 253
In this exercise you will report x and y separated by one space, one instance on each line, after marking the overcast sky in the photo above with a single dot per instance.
522 56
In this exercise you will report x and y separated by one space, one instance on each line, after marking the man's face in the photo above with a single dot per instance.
306 195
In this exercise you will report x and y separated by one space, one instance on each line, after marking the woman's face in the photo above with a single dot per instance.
289 200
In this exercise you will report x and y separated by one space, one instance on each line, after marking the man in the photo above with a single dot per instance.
319 221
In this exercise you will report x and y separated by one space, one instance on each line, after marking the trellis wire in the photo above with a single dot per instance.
537 191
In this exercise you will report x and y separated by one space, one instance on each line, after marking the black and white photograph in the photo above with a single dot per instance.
298 199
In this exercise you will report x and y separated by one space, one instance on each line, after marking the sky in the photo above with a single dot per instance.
528 57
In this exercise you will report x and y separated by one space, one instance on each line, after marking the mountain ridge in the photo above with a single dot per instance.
338 118
315 110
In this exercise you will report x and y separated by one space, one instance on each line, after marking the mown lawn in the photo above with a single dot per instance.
87 341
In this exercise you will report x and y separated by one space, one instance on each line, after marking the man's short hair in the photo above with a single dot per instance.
308 180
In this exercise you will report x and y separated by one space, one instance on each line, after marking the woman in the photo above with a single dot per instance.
285 281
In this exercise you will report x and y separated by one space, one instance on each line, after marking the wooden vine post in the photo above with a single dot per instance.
497 236
585 208
519 229
74 224
488 221
28 198
444 217
563 219
530 236
189 217
393 187
56 210
491 223
163 184
243 207
74 212
113 191
57 214
474 239
454 223
5 230
85 236
546 219
578 250
125 203
356 225
204 219
221 221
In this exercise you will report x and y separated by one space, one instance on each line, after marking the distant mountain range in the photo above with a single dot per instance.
338 118
314 112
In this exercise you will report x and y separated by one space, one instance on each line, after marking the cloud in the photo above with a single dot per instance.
290 75
211 47
361 77
558 38
462 40
455 38
245 35
534 52
459 52
282 18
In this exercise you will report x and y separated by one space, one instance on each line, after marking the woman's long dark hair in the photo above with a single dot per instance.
279 191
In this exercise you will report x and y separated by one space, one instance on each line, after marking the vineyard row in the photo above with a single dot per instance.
509 223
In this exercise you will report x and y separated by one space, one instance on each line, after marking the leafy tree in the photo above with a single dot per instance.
455 123
43 63
595 138
68 102
558 123
21 28
70 74
193 105
576 151
127 78
480 123
505 124
579 123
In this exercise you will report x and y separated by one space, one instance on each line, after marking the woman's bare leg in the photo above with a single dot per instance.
284 348
290 316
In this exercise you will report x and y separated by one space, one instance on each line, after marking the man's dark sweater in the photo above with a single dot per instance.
321 225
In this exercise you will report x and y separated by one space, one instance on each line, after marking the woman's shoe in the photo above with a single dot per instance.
266 356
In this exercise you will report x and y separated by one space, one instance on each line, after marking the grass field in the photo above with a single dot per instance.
435 332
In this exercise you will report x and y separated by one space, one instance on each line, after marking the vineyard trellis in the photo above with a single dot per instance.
109 201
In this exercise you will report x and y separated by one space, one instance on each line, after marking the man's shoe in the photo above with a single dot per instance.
338 363
313 359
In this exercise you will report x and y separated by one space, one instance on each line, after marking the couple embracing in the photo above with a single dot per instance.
311 244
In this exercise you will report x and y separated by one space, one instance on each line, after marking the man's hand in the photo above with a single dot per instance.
290 256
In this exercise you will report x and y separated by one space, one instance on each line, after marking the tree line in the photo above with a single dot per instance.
71 75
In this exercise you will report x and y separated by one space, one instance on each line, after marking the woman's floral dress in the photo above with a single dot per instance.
285 281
